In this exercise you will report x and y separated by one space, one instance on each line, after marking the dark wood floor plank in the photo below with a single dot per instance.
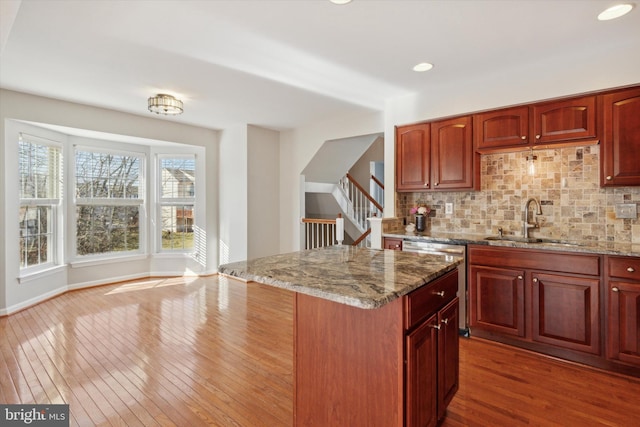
216 351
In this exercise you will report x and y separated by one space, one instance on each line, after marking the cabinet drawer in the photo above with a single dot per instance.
565 262
624 267
428 299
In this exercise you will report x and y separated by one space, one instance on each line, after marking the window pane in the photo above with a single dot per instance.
101 175
35 234
177 227
39 167
103 229
178 177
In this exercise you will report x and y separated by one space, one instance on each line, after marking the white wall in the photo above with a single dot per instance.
24 107
263 192
233 197
297 148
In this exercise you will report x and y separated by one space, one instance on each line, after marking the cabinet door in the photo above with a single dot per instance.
567 120
623 318
452 154
395 244
422 376
448 355
508 127
566 311
496 298
413 157
621 140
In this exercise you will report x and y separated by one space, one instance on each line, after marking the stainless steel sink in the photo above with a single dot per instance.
546 242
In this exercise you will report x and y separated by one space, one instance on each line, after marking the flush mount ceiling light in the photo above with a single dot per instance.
423 66
340 1
615 12
165 104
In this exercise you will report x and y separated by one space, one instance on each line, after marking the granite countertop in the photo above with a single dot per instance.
359 277
581 246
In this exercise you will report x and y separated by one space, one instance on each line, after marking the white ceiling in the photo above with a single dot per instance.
285 63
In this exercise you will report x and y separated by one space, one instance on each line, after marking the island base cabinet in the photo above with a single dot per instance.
433 367
393 366
624 322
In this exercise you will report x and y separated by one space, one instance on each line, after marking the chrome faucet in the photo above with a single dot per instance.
526 225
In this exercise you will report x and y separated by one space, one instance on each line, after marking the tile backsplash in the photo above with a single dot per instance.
566 182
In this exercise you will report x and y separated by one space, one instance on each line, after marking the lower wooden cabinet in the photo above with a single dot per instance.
565 311
497 295
542 300
394 366
432 366
392 243
623 317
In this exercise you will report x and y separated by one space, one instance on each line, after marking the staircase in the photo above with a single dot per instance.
356 205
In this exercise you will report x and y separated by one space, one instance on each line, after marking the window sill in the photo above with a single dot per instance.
174 255
29 277
101 261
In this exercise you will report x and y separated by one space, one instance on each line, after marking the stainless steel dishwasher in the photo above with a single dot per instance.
449 251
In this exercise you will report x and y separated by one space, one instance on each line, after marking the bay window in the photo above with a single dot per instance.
176 202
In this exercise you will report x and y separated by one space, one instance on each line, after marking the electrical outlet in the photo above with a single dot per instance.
448 208
626 210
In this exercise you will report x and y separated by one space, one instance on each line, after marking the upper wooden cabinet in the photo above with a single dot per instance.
413 157
508 127
562 121
452 165
620 151
566 120
436 156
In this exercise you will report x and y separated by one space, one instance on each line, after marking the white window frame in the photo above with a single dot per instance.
174 201
104 201
54 203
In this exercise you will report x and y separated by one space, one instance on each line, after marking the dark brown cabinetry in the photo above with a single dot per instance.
623 314
432 356
563 121
396 365
452 157
547 301
498 298
413 157
619 165
391 243
436 156
508 127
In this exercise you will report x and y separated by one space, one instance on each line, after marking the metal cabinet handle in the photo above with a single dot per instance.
523 137
519 277
615 289
535 280
445 321
609 177
436 184
435 326
537 136
631 269
439 293
426 184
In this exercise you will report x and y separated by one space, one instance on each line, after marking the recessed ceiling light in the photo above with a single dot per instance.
423 66
340 1
615 12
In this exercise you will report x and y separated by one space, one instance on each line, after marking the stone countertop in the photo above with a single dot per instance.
359 277
582 246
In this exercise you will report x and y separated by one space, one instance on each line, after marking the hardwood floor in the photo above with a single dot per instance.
216 351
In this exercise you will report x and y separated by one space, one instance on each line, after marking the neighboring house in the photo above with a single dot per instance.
178 183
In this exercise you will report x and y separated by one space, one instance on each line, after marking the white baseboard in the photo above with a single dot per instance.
33 301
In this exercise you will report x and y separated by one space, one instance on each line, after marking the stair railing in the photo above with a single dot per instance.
319 232
377 189
362 204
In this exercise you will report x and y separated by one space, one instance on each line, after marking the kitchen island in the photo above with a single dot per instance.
375 333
